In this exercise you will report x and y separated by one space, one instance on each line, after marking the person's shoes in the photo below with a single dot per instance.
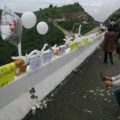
110 64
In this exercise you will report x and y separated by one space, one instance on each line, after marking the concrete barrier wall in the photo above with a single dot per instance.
15 101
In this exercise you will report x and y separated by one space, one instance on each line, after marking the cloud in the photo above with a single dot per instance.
99 9
26 4
108 8
93 3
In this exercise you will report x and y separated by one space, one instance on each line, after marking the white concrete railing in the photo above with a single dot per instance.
15 101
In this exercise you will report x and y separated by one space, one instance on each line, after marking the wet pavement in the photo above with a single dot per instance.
82 95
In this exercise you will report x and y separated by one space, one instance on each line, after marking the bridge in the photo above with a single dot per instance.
68 87
82 95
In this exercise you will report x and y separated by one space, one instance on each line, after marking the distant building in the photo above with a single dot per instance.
102 27
84 22
112 22
56 20
59 20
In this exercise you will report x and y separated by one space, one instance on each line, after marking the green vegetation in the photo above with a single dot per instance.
114 17
87 27
73 25
56 12
32 40
70 24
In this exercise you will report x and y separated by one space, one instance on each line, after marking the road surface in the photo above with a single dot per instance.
82 95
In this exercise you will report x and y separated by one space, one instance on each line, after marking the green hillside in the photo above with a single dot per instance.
114 17
73 15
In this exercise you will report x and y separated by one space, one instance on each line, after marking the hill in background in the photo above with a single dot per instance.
114 17
68 17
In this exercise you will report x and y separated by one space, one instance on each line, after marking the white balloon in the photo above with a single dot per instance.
42 28
28 19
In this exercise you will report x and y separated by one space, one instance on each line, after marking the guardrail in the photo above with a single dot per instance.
15 101
39 59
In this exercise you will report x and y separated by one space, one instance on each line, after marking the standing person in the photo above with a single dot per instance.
108 45
113 81
118 41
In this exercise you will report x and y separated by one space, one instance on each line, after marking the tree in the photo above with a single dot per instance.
50 6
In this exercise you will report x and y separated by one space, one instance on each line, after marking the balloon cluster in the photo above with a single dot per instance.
29 20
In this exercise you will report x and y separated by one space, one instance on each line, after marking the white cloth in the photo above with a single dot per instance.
62 49
46 56
116 80
35 62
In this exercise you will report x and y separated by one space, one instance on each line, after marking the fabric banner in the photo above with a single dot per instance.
35 62
47 56
10 26
73 45
7 74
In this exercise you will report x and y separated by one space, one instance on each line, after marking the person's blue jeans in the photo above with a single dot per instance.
117 95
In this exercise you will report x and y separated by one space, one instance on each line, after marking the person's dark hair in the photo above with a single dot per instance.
115 27
110 28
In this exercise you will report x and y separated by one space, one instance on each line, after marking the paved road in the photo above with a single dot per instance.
83 95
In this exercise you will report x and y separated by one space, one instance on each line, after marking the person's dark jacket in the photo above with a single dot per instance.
108 43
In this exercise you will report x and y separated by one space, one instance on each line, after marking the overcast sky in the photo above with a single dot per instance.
99 9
